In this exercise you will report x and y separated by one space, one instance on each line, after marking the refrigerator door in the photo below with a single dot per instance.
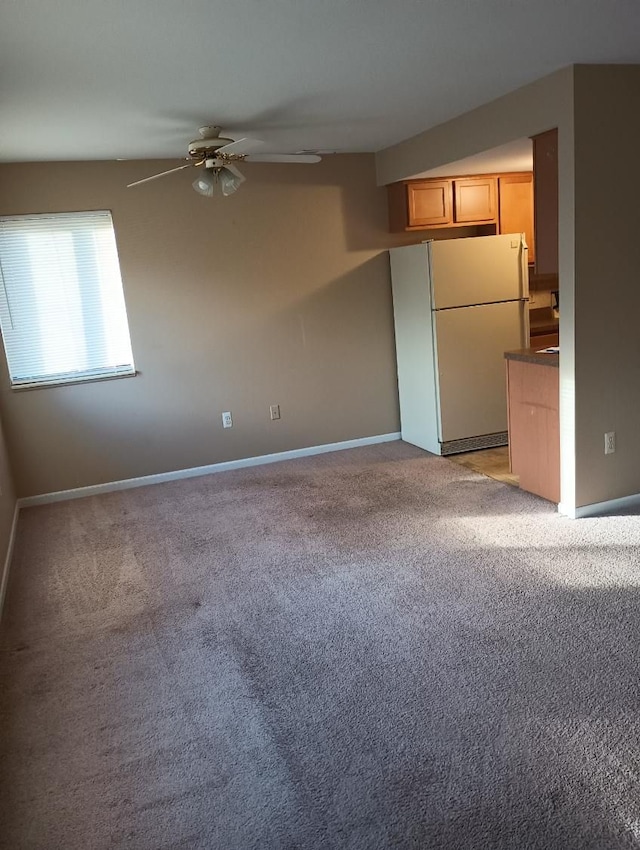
471 375
478 270
415 347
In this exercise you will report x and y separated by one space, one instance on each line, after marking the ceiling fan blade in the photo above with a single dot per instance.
240 146
236 172
282 157
162 174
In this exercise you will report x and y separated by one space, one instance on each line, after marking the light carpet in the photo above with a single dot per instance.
375 648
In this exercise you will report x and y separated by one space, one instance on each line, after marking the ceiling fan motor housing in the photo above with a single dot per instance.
209 142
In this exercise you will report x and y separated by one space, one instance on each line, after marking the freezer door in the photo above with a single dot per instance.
471 342
478 270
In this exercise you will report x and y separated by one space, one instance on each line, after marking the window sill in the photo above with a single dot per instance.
88 379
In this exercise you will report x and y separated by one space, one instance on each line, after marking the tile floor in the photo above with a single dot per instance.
493 463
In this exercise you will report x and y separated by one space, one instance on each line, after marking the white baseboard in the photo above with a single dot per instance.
196 471
7 561
612 506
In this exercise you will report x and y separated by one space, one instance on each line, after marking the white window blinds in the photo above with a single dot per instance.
62 309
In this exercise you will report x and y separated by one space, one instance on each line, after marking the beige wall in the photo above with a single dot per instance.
607 308
278 294
7 509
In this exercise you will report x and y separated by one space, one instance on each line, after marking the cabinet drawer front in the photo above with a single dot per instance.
429 203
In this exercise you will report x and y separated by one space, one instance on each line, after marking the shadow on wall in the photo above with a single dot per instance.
363 220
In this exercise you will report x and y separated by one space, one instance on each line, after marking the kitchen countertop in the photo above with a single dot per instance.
531 355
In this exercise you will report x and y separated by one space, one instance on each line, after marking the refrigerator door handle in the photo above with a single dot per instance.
524 269
525 327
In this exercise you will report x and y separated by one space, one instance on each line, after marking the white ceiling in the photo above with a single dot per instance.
103 79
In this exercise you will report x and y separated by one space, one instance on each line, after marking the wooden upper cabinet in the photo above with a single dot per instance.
420 205
429 203
516 207
545 190
504 200
426 204
475 200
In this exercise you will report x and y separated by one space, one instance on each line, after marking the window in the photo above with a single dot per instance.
62 309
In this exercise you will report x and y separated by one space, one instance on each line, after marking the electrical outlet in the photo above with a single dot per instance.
274 411
227 421
609 442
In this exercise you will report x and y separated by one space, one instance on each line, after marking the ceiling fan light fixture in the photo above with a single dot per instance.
219 155
204 183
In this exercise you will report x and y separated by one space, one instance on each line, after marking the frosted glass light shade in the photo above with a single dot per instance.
229 182
204 183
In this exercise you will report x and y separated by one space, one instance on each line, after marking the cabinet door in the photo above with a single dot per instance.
516 207
475 199
545 189
534 427
429 202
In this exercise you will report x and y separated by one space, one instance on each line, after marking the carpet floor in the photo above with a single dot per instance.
376 648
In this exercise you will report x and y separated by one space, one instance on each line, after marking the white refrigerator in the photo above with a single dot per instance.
458 305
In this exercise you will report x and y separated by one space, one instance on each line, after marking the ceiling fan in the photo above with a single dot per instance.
217 158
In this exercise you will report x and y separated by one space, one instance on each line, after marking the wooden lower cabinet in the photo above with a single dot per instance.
534 426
